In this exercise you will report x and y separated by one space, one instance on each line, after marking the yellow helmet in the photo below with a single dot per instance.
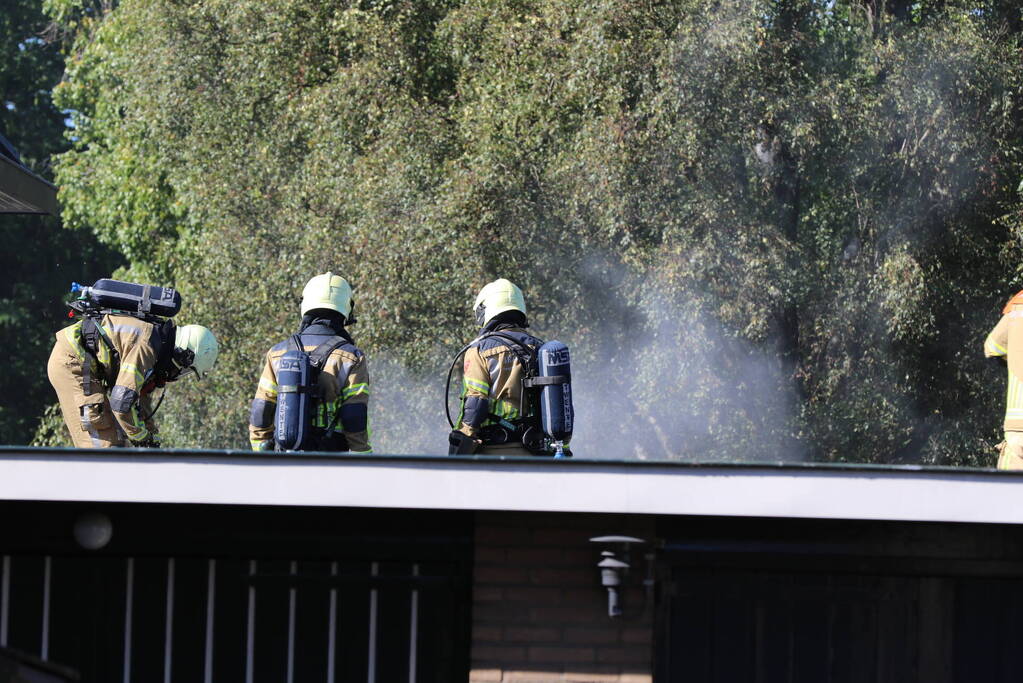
328 291
497 297
195 348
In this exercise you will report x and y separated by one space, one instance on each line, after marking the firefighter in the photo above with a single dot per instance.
105 368
337 416
496 416
1005 342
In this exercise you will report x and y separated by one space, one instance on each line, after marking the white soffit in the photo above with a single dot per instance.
232 478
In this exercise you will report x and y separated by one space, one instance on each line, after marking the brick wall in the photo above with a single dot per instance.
539 610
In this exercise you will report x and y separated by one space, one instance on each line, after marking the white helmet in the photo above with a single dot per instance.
497 297
195 348
328 291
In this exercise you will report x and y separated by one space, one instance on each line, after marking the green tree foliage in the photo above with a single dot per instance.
40 259
767 228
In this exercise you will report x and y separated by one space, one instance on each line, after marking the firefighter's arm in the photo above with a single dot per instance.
475 398
354 407
146 408
137 363
997 343
264 405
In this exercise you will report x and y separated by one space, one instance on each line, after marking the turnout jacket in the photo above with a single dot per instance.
492 380
1006 341
126 377
343 382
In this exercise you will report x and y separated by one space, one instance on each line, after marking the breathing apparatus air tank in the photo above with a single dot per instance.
293 370
130 297
555 380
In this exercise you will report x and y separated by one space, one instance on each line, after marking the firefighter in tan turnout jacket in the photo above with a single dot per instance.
495 412
1005 342
339 410
104 370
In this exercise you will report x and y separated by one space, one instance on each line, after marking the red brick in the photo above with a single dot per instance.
503 612
560 615
561 537
531 557
586 596
538 595
569 576
487 574
531 634
637 635
484 633
500 536
581 557
624 655
591 636
575 655
487 594
498 653
490 555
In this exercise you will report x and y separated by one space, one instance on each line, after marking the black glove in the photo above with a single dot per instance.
148 442
461 444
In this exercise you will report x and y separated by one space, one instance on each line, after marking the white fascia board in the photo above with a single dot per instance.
907 494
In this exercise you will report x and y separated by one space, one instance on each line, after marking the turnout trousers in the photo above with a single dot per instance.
87 417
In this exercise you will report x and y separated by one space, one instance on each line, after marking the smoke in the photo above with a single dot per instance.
670 382
406 406
653 377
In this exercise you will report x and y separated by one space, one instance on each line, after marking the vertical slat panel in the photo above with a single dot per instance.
129 606
44 639
313 658
26 598
292 596
371 666
250 628
393 606
413 629
442 649
332 629
353 634
86 616
5 598
211 601
270 656
149 620
191 613
168 638
230 621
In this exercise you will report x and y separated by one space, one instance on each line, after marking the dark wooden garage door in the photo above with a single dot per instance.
843 602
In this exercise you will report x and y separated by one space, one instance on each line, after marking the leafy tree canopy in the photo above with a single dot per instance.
767 228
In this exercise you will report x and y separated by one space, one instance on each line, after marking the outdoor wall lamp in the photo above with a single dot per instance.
93 530
614 568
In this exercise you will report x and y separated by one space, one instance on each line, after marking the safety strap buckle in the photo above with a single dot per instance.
530 382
